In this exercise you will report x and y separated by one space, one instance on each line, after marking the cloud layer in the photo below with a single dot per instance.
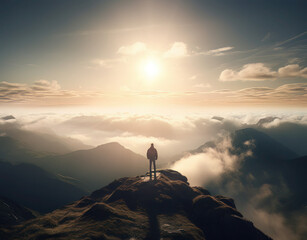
44 92
172 134
41 88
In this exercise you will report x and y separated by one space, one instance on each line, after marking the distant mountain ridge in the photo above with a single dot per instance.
264 145
39 142
89 168
14 151
96 166
290 134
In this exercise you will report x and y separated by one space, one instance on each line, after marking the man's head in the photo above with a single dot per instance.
152 145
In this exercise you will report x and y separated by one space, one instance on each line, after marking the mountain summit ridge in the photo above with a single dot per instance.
97 166
136 208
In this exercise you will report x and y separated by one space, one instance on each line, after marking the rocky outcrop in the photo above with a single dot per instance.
136 208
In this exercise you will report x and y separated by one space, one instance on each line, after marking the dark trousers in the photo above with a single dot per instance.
151 161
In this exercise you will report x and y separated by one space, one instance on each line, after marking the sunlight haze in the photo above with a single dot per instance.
191 53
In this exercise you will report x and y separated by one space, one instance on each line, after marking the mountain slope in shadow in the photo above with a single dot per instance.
14 151
135 208
265 147
293 135
98 166
12 213
35 188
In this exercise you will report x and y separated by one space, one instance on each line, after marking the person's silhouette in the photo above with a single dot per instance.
152 155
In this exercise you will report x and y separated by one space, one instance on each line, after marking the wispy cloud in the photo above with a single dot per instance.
108 63
133 49
279 44
266 37
275 53
88 32
193 77
178 49
202 85
219 51
45 86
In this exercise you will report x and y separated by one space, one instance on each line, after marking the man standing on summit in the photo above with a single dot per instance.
152 155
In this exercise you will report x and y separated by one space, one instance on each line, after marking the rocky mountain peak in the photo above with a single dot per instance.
137 208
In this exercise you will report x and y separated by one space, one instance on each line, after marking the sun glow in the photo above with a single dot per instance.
151 68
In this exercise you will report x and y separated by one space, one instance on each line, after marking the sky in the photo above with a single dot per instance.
153 54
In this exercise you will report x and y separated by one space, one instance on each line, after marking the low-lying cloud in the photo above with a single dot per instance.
174 134
209 165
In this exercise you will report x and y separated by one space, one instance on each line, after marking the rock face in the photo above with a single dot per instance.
135 208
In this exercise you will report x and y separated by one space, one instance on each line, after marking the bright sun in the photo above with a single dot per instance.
151 69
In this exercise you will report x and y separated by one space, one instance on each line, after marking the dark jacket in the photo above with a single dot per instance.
152 153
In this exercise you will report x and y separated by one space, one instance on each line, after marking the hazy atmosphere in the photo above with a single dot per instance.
219 87
148 53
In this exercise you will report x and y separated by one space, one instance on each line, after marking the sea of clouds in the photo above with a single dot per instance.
174 136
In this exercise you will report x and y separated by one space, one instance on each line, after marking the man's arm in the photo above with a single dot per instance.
156 153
